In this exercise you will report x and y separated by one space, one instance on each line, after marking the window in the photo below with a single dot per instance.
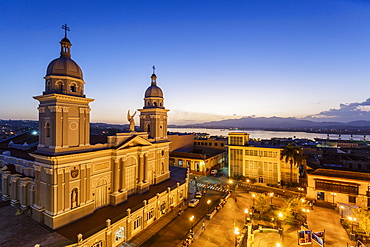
72 87
150 214
47 129
137 223
98 244
352 199
120 233
215 144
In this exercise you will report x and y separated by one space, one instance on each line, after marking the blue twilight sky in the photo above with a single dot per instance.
215 59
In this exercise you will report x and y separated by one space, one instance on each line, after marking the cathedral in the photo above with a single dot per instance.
64 177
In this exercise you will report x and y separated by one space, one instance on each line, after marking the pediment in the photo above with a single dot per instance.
134 142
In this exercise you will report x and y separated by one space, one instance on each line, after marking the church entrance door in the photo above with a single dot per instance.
101 193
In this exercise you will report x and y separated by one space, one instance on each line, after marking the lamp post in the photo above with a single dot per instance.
341 211
253 196
246 212
280 215
271 195
352 220
236 232
333 194
208 202
306 211
191 223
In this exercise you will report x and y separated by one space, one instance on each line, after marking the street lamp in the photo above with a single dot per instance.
271 195
246 212
352 220
280 215
333 194
236 232
191 223
306 211
341 211
253 196
208 202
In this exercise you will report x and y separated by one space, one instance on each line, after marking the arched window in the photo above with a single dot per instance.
59 86
47 129
148 103
72 87
48 85
155 103
148 128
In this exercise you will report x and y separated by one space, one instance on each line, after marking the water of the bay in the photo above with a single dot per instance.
262 134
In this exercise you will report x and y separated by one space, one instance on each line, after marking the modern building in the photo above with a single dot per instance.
344 188
65 177
261 163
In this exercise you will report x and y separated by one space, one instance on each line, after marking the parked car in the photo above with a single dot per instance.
193 203
198 194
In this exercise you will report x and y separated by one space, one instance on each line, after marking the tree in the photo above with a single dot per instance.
292 209
363 218
262 203
293 155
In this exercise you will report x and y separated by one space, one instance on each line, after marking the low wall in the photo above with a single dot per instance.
122 230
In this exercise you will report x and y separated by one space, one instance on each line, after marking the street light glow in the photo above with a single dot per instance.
246 210
236 231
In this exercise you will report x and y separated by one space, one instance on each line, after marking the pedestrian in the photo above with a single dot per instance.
236 200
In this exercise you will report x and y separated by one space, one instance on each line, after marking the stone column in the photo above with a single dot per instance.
88 182
115 175
123 175
82 193
87 126
24 192
50 193
82 126
146 168
38 187
67 205
41 126
5 185
65 126
140 168
60 194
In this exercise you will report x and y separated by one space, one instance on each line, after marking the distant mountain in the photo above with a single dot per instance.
279 123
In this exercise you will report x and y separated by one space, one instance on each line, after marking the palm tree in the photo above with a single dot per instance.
293 155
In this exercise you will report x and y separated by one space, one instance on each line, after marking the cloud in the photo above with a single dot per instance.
345 113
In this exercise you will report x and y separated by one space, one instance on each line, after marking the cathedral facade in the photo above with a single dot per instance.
66 177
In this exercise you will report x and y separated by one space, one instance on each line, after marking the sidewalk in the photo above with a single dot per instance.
219 231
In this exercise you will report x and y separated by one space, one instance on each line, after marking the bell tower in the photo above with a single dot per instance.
64 112
153 116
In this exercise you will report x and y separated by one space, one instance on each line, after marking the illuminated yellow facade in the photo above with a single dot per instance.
261 163
67 178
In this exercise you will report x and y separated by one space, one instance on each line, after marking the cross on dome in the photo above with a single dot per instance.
66 28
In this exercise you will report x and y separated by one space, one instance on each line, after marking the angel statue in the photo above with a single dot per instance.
131 120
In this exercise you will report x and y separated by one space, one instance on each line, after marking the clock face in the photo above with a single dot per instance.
74 173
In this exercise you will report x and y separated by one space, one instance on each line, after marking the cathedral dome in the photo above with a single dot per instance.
153 90
64 65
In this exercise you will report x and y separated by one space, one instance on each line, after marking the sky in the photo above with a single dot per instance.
214 59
